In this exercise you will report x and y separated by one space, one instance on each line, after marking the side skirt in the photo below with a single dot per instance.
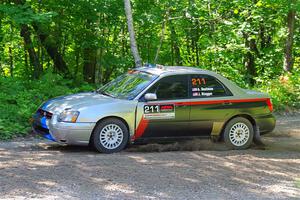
164 140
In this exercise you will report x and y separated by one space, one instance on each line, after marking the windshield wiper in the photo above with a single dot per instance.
105 93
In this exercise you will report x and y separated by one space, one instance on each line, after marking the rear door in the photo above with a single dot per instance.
209 104
168 116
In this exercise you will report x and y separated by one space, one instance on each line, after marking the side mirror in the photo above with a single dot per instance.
150 96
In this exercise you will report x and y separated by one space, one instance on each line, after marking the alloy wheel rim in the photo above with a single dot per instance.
239 134
111 136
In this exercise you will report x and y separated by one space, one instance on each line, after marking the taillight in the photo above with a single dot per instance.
270 105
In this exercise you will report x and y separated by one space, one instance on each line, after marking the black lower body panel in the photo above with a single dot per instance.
266 123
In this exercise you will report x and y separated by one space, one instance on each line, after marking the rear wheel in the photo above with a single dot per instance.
110 136
238 133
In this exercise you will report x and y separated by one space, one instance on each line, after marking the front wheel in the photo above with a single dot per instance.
110 136
238 133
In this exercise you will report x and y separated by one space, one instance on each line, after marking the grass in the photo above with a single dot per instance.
297 183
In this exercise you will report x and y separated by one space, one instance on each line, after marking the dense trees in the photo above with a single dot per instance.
90 39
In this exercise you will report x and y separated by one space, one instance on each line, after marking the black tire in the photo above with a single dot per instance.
102 128
236 132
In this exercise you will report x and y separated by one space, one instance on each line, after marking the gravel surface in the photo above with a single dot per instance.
34 168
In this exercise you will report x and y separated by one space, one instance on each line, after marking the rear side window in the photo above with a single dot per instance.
206 86
171 88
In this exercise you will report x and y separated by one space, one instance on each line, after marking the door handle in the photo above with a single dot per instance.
227 103
181 104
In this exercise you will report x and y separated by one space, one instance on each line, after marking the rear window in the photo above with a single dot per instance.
206 86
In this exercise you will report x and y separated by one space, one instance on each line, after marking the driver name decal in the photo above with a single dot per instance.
164 111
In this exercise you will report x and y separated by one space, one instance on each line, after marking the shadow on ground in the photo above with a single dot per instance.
191 145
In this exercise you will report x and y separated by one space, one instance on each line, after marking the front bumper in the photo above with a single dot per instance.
62 132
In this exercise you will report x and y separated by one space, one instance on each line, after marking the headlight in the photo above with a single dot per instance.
68 116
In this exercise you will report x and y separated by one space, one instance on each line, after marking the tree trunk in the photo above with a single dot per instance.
11 62
249 59
175 46
89 64
1 44
77 58
98 50
52 50
41 55
162 36
89 54
33 56
133 45
288 60
123 41
28 71
11 57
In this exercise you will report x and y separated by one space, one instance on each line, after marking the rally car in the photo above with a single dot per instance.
157 103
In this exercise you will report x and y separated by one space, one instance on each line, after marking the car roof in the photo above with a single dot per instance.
168 70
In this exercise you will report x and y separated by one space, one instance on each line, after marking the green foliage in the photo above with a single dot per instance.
285 90
297 183
23 14
20 99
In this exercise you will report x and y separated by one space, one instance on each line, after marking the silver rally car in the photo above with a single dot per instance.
157 103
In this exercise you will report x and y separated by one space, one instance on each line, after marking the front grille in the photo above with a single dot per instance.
47 114
37 128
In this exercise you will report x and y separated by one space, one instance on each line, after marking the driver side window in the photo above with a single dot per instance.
171 88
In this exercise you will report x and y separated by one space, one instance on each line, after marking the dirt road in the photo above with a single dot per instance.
34 168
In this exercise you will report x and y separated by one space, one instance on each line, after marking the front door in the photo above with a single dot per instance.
168 116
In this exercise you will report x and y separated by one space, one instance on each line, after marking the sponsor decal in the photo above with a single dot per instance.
207 89
196 94
207 94
140 129
202 91
162 111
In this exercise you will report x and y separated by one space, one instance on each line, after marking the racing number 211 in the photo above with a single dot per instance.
198 81
151 109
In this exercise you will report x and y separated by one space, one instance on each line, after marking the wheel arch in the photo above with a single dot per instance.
246 116
105 118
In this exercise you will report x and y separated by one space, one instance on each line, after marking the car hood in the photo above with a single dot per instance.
76 101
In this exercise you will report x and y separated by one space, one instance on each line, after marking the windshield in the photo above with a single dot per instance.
128 85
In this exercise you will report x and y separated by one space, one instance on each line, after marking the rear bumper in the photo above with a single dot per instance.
266 123
61 132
